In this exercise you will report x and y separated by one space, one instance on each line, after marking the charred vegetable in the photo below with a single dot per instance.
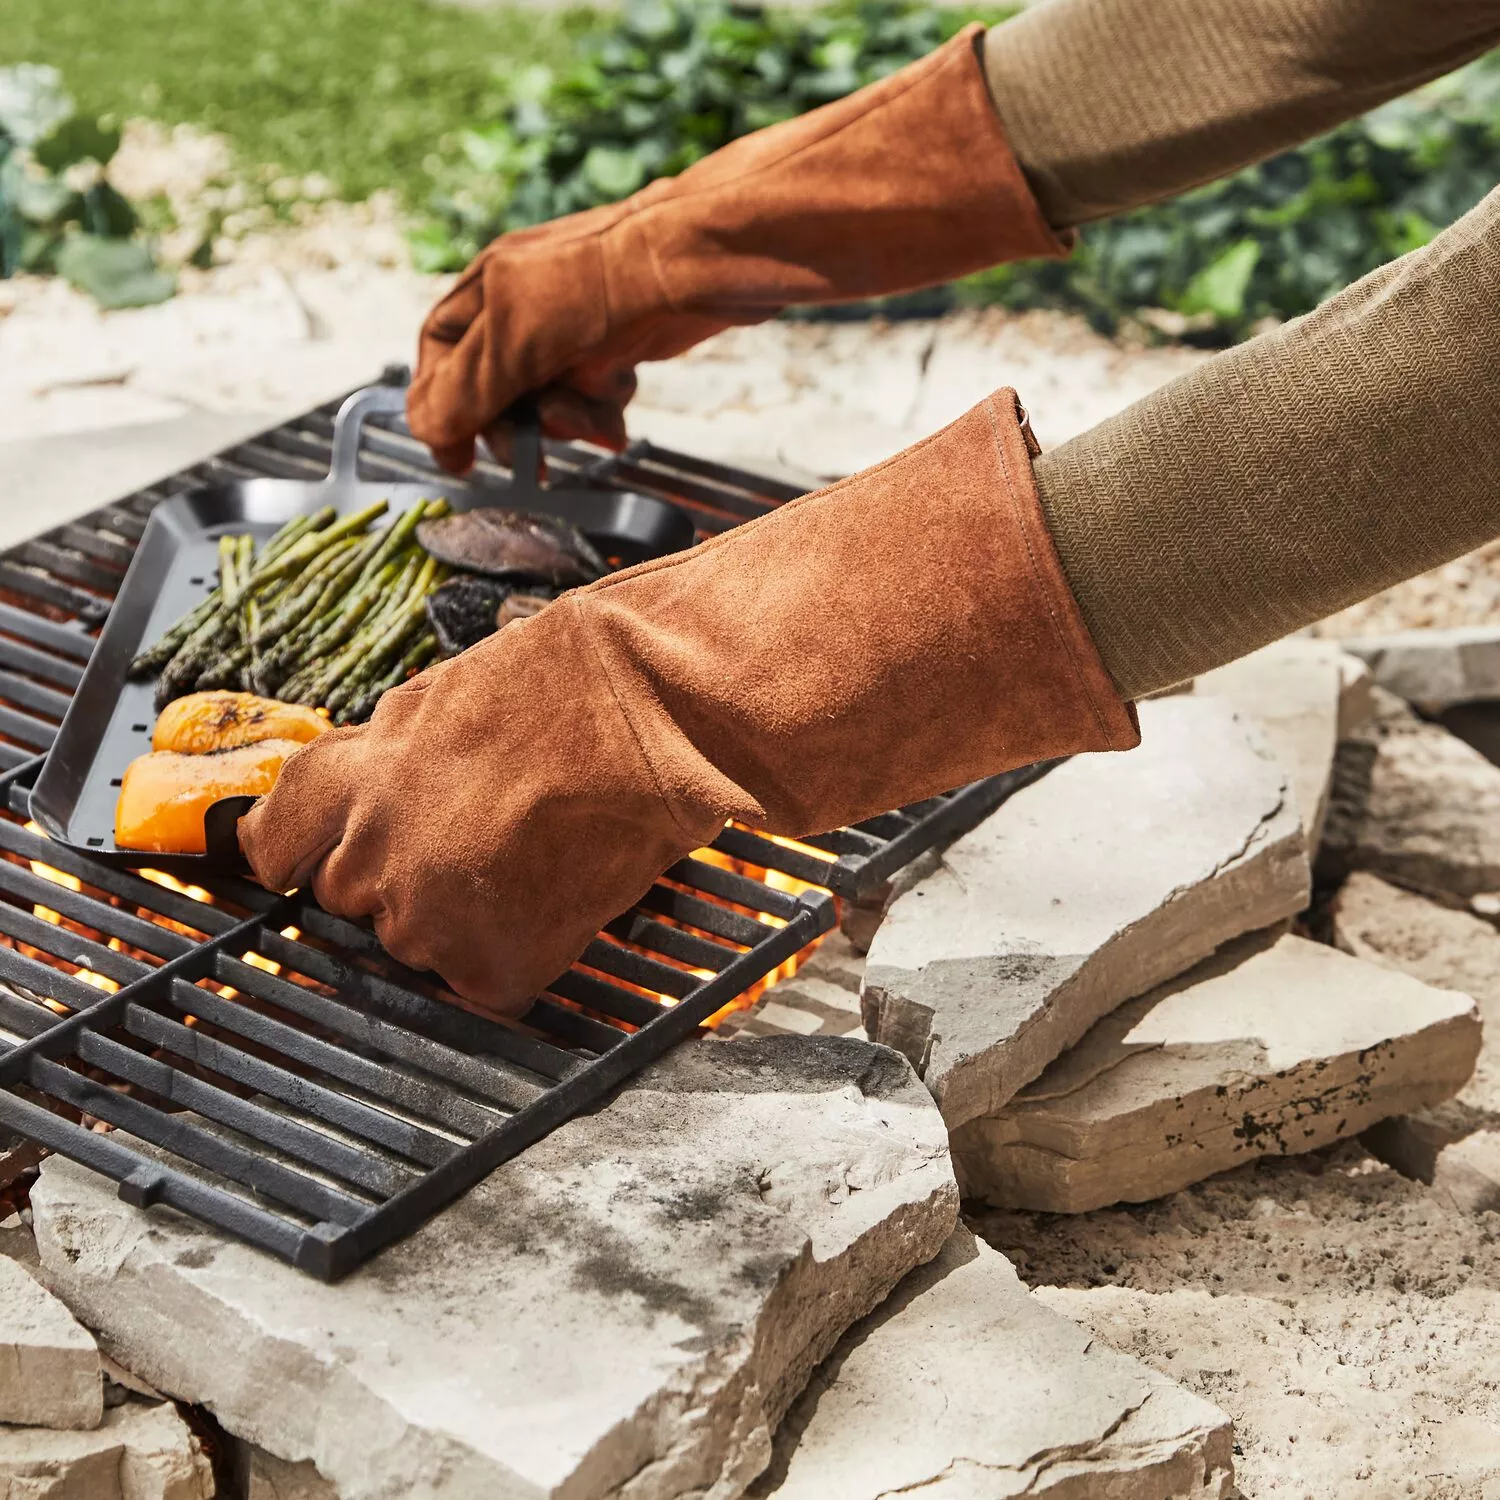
521 607
203 722
330 604
463 611
164 795
511 543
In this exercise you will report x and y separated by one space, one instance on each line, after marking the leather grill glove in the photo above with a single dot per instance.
906 183
879 641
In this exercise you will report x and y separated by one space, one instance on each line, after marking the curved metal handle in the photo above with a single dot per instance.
221 823
350 422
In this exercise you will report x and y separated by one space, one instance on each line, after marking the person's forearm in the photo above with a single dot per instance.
1110 104
1291 476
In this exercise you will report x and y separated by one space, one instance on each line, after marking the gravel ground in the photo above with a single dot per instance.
1347 1318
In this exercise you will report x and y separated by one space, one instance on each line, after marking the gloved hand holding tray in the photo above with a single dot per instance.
252 528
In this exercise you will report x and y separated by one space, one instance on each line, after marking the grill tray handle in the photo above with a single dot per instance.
528 466
350 421
221 837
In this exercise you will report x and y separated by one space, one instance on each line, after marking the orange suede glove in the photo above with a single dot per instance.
882 640
904 184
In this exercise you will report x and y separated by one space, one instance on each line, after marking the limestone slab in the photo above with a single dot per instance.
49 1363
1415 804
1291 689
1454 950
1092 885
1273 1046
136 1453
965 1386
820 999
1434 668
266 1477
626 1309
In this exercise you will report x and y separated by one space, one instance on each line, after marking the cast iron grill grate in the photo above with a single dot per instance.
267 1067
304 1091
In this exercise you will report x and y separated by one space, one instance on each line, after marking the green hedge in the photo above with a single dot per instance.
667 81
657 87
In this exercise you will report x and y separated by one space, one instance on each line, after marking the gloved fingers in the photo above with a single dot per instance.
455 458
289 830
455 393
567 415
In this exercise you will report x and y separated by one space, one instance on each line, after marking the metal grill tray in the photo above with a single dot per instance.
109 723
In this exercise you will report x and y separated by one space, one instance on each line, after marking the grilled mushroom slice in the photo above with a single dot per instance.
462 610
521 607
510 543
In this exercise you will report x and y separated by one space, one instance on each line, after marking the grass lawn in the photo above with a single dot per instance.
359 90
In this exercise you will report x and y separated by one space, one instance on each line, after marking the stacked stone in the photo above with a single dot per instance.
68 1433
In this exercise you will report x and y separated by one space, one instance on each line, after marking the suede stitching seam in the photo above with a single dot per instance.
1037 579
670 803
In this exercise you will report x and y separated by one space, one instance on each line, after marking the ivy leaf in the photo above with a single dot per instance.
1220 287
74 140
612 172
32 102
116 273
108 213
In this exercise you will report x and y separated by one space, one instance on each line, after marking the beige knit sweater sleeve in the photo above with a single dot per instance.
1293 475
1110 104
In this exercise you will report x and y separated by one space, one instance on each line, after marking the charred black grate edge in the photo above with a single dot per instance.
332 1107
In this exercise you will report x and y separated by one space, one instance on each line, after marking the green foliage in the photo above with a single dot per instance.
57 209
667 81
661 85
362 92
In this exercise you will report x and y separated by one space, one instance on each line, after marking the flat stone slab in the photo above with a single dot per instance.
1099 881
1271 1047
965 1385
1457 1143
266 1477
628 1308
1434 668
1415 804
137 1453
820 999
1292 690
49 1363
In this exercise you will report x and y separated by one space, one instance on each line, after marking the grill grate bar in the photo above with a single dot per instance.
420 1097
607 999
315 1148
144 1181
30 732
673 942
195 1046
96 543
28 694
508 1088
407 1007
24 658
637 968
262 1173
74 566
49 590
581 1032
756 849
